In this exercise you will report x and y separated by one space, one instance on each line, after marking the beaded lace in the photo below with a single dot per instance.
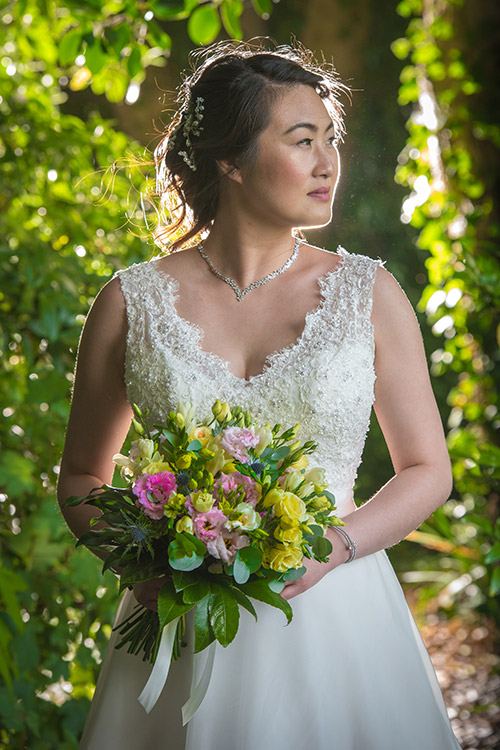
327 375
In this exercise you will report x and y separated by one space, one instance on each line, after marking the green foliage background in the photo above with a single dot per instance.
65 70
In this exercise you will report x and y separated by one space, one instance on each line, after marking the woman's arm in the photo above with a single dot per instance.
100 413
408 415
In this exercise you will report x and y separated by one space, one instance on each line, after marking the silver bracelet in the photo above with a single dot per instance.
351 544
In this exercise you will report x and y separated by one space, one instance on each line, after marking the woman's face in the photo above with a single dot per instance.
293 180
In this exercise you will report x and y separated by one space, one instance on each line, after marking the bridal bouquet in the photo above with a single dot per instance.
224 512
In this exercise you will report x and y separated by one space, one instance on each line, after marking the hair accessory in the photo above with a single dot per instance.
240 293
191 127
351 544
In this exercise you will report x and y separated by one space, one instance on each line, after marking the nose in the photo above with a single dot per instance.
326 161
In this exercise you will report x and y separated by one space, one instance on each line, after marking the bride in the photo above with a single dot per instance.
257 316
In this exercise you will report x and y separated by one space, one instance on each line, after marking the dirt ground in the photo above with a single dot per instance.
466 658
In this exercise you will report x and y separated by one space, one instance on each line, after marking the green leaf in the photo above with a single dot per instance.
194 445
186 563
134 64
196 592
276 585
118 37
204 25
263 8
69 46
95 57
230 11
293 574
171 437
241 572
260 590
321 546
251 556
224 614
170 604
494 554
183 580
495 582
203 633
243 600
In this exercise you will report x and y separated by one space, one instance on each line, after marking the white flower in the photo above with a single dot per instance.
245 518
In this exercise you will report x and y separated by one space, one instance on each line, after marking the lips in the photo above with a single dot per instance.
321 193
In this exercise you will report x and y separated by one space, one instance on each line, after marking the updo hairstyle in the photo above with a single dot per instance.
238 83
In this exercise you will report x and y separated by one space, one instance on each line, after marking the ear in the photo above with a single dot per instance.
229 170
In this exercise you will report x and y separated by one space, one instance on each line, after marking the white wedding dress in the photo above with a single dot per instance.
351 671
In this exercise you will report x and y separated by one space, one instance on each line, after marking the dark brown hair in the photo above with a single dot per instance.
238 82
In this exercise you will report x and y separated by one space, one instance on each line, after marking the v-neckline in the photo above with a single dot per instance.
199 334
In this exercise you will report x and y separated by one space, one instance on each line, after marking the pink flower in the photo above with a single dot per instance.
153 492
228 482
225 546
208 526
236 441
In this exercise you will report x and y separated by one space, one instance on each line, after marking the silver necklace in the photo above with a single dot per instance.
240 293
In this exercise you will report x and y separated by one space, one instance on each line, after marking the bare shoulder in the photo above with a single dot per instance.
320 259
392 311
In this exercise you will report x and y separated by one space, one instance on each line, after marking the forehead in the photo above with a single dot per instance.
298 104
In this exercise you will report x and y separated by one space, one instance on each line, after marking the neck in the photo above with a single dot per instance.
248 253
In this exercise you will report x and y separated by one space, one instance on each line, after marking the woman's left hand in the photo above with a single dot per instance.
316 570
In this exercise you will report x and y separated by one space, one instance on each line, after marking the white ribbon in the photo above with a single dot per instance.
198 691
158 676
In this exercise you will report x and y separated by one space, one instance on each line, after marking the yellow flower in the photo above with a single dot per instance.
219 459
154 467
244 517
202 501
221 410
319 504
184 524
292 480
291 535
272 497
302 463
184 462
290 506
229 467
265 436
283 557
202 434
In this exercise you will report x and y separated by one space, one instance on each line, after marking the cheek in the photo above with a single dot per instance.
286 173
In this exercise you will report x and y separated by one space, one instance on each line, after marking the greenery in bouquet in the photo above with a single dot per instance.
225 512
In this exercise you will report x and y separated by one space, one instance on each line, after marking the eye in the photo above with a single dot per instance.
305 140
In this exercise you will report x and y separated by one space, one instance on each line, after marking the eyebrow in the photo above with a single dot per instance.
308 125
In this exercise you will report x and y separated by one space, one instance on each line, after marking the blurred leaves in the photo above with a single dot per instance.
447 163
70 216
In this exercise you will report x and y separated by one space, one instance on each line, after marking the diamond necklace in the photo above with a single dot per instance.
240 293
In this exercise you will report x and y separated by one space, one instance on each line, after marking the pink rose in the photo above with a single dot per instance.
235 481
236 441
153 492
207 526
225 546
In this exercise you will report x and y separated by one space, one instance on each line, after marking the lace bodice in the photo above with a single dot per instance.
324 380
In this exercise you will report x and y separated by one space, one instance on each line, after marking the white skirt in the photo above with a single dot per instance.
350 672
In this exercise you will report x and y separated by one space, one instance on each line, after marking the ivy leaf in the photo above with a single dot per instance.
69 46
204 25
203 633
230 11
224 614
170 604
134 64
260 590
262 8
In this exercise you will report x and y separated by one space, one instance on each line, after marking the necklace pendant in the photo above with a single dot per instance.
240 293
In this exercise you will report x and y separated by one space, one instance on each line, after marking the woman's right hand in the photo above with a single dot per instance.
146 592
